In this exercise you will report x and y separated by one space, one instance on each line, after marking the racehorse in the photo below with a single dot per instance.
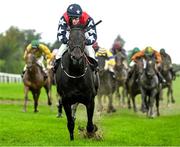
121 74
167 74
75 81
107 83
150 87
33 80
132 83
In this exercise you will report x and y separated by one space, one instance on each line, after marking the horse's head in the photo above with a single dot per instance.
30 60
101 58
149 67
119 59
139 66
76 44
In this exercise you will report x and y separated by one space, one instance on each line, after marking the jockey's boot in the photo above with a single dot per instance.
55 66
173 74
22 75
45 74
161 78
93 64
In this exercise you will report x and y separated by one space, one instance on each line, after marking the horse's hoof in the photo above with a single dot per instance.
59 115
23 110
95 128
35 111
49 103
71 137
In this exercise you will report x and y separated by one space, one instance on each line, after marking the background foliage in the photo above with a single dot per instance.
12 45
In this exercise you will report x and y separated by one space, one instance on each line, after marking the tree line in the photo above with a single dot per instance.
12 45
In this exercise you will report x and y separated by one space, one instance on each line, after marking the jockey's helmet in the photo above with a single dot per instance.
162 51
74 10
149 51
34 43
136 49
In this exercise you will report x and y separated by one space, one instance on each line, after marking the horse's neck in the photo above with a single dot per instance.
35 70
71 67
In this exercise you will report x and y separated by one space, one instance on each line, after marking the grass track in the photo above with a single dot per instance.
121 128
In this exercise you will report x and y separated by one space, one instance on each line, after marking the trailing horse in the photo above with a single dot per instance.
150 88
132 83
107 83
33 80
167 74
121 74
76 81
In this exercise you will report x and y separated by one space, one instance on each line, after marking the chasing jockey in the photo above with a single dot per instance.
72 17
153 54
166 56
110 58
118 47
40 51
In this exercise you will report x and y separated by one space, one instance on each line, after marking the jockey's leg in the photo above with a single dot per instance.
162 79
173 73
24 70
125 63
59 54
40 61
91 53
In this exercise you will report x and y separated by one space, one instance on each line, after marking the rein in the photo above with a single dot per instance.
74 77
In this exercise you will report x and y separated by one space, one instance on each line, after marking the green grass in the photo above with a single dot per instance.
122 128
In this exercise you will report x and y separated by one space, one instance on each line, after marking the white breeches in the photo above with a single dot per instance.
88 50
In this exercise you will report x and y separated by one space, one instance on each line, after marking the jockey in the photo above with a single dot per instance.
164 55
39 50
131 64
76 16
150 52
134 51
102 51
118 47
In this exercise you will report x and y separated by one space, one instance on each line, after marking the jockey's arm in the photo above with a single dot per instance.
47 52
158 57
27 50
137 55
91 35
62 34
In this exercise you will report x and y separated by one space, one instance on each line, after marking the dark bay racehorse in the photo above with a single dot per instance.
107 83
132 83
34 80
121 74
167 74
75 81
150 88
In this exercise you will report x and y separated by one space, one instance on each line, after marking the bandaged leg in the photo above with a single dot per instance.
61 51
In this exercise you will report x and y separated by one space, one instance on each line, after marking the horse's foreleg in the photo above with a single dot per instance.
48 92
144 101
59 106
129 101
110 105
134 103
74 108
91 128
36 97
171 92
100 106
157 104
26 90
70 123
